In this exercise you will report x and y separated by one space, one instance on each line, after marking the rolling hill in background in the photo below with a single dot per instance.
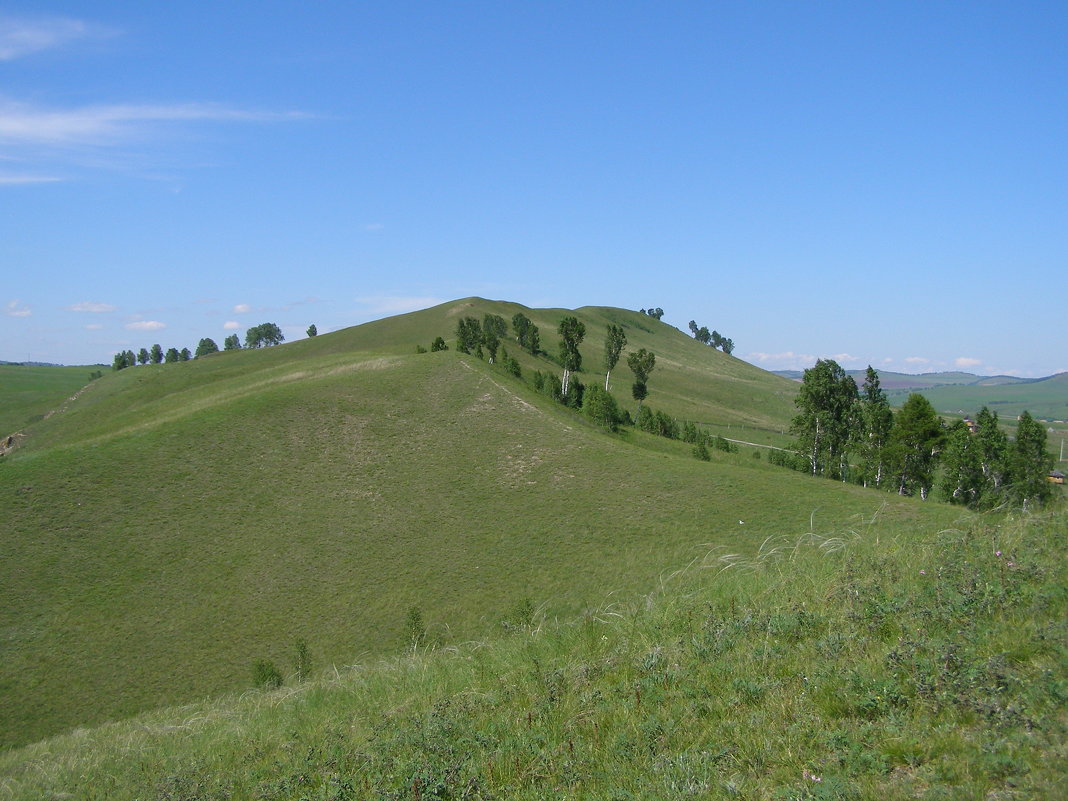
959 394
178 522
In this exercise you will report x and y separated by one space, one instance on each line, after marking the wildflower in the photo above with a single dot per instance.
923 572
1011 564
997 553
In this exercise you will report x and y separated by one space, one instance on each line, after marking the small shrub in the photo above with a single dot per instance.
302 662
420 349
266 675
700 451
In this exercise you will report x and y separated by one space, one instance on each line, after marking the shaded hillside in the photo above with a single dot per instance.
29 392
181 521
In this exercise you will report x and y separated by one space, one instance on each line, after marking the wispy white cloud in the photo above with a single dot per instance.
786 359
95 327
145 325
967 361
916 360
16 309
845 357
53 142
90 306
108 125
23 36
231 325
396 304
22 180
242 308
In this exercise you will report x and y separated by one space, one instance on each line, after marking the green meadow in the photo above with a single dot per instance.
592 602
873 661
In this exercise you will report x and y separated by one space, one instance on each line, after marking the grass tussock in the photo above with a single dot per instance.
869 663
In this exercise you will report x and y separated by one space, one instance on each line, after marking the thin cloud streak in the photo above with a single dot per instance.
109 125
24 180
92 308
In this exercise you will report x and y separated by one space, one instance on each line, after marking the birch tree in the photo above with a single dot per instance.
878 420
572 332
827 413
614 342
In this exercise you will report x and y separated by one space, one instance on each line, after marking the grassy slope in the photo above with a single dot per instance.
180 521
27 394
887 662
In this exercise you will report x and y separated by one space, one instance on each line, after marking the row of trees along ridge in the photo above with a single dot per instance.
259 336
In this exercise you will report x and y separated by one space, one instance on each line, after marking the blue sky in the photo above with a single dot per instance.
881 183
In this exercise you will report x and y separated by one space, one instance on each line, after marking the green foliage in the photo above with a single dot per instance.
914 444
572 332
1030 464
614 341
641 363
601 407
877 420
184 355
526 333
205 346
172 355
414 627
468 335
266 675
143 356
438 344
827 417
156 354
232 343
264 335
700 451
312 331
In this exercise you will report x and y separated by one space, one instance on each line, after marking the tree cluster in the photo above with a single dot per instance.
712 338
264 335
156 355
656 313
853 435
259 336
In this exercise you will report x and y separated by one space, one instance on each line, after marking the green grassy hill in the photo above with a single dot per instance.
179 522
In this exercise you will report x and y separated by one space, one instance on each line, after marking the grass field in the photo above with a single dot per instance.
179 522
880 660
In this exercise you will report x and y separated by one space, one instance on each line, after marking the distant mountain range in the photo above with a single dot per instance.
957 393
890 380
